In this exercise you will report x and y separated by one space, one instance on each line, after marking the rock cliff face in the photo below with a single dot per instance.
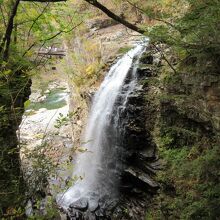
190 114
182 108
184 116
140 159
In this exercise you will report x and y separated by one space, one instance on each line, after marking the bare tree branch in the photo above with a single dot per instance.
63 31
164 57
29 48
115 17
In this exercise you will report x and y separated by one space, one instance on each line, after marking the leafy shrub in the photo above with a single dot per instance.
190 184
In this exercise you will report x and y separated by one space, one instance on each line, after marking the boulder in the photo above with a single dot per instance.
140 179
147 153
81 204
93 205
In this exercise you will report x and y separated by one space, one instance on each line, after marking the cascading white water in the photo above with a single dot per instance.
97 167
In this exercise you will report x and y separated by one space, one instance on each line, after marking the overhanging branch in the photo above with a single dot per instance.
115 17
109 13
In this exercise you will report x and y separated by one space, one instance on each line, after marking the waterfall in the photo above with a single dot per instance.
99 167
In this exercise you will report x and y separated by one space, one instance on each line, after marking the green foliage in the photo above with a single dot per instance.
41 26
124 50
87 63
63 120
35 25
193 34
39 167
42 175
14 90
51 211
189 182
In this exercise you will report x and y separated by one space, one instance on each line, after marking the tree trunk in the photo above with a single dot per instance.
5 45
13 94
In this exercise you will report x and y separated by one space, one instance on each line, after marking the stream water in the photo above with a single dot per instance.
40 116
98 169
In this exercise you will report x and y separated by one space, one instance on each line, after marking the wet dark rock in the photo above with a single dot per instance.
137 191
112 204
147 58
72 212
100 214
135 99
81 204
140 179
103 202
156 165
148 168
100 23
145 162
79 215
90 216
148 153
75 215
145 71
126 187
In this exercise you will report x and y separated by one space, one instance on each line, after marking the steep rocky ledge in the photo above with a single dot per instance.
139 158
141 162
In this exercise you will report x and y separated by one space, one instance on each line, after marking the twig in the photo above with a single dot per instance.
163 56
63 31
50 38
29 48
35 20
3 16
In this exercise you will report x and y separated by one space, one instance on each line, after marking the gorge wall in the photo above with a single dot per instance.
182 118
